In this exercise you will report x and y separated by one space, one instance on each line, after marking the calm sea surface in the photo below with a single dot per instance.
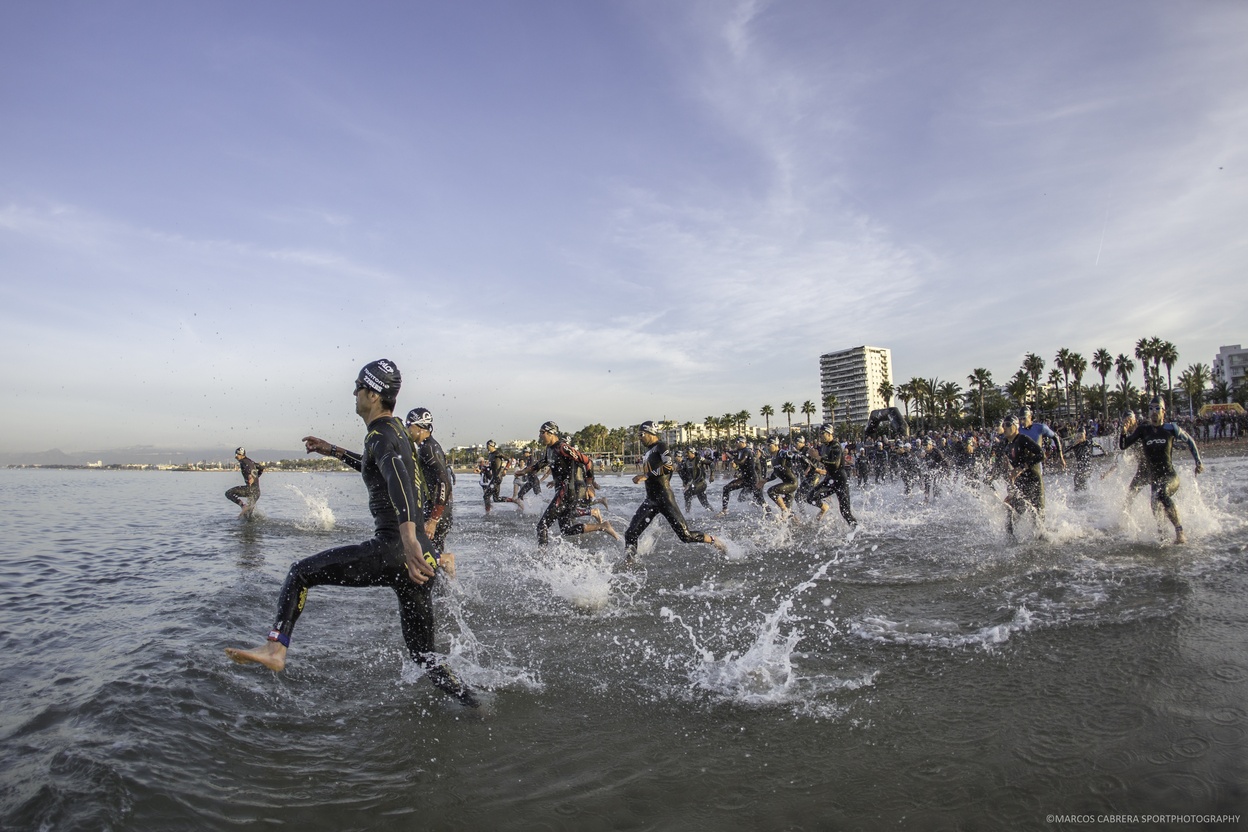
922 674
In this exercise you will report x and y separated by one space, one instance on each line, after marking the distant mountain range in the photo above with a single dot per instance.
144 455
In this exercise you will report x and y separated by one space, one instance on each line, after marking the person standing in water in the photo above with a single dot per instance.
1157 438
399 555
656 473
247 495
571 477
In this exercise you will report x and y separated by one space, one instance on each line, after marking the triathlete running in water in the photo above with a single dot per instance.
831 466
747 479
492 478
1022 460
1157 438
571 474
781 469
399 555
695 475
439 487
656 473
246 495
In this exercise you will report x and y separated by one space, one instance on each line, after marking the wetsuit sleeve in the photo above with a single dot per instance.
1181 435
440 484
1125 441
400 483
349 458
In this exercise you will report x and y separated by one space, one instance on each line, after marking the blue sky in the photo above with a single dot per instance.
211 215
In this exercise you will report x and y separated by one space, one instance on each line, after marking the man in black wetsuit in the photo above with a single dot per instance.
1022 459
246 495
439 487
781 469
532 481
695 474
805 461
831 466
399 555
492 478
747 477
656 473
1157 437
571 477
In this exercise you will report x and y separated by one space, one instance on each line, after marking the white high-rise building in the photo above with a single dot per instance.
854 377
1230 365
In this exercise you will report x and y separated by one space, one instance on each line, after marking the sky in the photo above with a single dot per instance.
213 214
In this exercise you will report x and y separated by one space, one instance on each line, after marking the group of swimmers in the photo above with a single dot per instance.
410 492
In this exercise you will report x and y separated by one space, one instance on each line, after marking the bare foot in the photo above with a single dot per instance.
447 562
609 529
717 543
272 655
1179 537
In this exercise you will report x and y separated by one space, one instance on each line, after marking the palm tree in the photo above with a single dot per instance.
1062 362
1078 365
1193 381
788 410
949 393
743 419
829 406
808 408
1144 352
1124 366
709 421
980 379
767 411
903 396
1018 386
1154 352
1103 363
1168 354
886 390
1033 366
1221 391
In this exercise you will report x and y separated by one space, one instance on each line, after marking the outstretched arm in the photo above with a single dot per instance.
313 444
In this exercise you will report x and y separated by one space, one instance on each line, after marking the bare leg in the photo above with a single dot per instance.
602 527
272 655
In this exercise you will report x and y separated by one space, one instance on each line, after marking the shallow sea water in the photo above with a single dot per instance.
922 673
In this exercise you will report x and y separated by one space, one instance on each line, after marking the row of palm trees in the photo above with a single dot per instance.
931 402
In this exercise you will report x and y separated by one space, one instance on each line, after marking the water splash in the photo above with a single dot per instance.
763 673
317 514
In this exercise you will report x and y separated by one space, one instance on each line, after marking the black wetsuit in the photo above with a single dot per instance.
571 474
492 479
695 475
431 462
747 477
1158 444
1027 491
532 481
832 460
248 493
386 466
805 462
782 469
656 464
